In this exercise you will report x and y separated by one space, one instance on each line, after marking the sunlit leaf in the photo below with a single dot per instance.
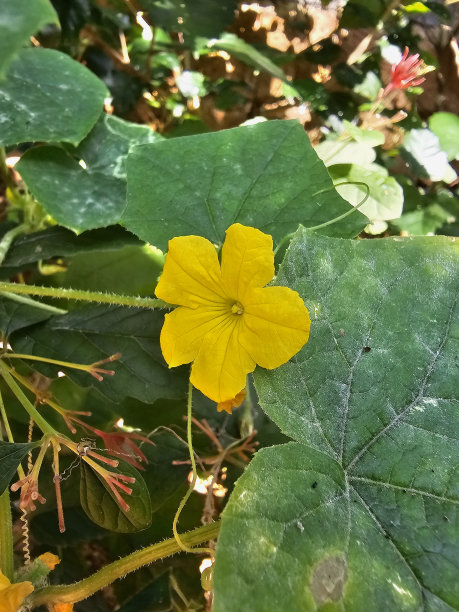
265 175
360 512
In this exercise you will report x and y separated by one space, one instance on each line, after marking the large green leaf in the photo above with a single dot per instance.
91 177
192 18
360 513
11 455
48 96
20 20
100 504
92 333
265 175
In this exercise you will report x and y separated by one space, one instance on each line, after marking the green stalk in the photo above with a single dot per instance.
6 536
8 238
86 296
18 392
21 299
72 593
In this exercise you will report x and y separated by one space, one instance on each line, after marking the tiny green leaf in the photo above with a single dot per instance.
99 502
48 97
11 455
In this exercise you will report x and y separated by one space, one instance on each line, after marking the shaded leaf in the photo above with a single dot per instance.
91 179
14 316
20 20
102 508
192 18
60 242
265 175
361 511
92 333
66 102
11 455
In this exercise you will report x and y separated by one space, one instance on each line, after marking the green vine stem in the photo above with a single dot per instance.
8 238
18 392
86 296
72 593
6 536
6 523
177 536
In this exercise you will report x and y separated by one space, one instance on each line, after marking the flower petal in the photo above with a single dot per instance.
184 330
12 595
222 364
191 274
275 325
247 260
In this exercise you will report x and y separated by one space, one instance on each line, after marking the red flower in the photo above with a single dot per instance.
122 444
407 73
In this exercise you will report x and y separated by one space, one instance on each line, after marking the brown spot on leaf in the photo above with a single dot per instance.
328 579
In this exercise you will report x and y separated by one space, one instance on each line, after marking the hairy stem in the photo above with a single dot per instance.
73 593
86 296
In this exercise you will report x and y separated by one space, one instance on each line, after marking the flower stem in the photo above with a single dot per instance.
178 538
27 404
73 593
6 536
85 296
64 364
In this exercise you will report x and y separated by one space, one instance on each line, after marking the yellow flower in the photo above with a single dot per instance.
12 595
228 321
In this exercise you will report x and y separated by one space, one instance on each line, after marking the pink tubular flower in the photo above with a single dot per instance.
407 73
122 444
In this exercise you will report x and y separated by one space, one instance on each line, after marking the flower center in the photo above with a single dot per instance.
237 308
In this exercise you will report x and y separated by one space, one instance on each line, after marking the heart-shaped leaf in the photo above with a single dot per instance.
91 177
35 105
265 175
20 20
360 513
100 504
